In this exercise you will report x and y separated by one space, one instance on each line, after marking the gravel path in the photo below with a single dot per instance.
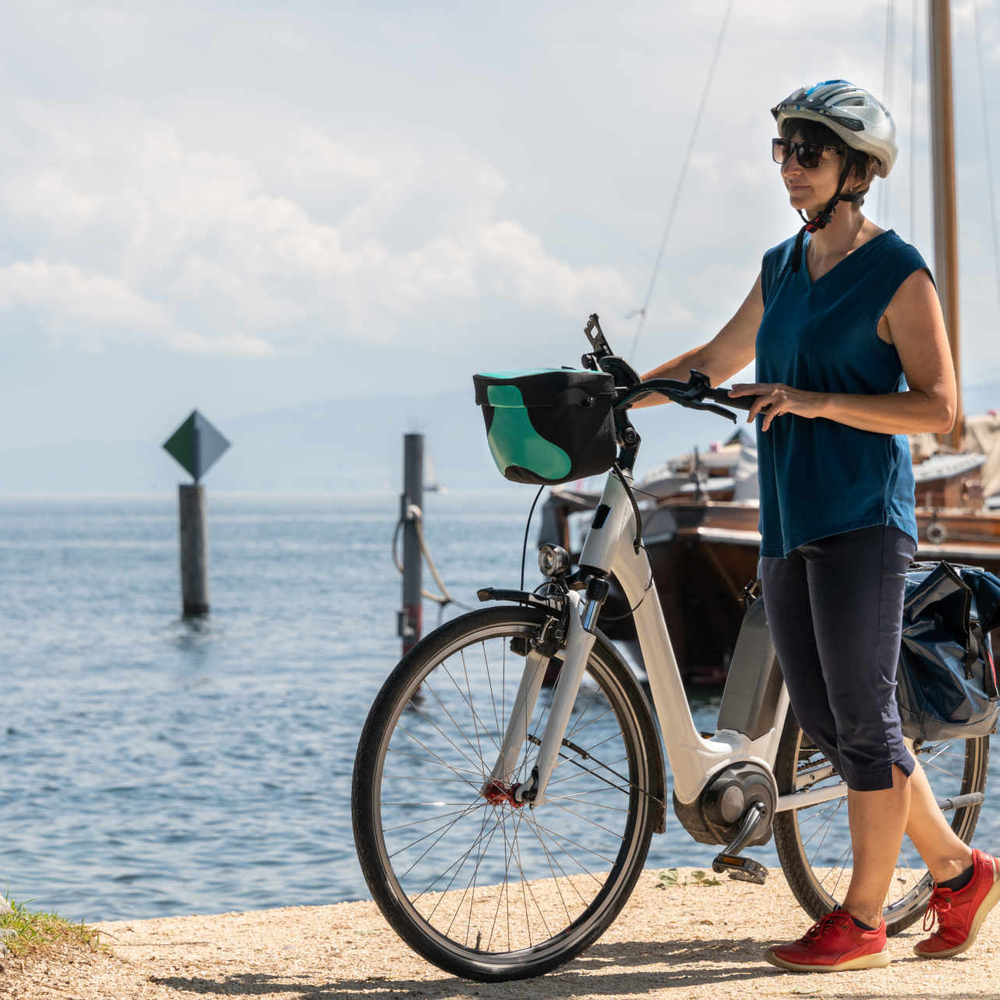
687 941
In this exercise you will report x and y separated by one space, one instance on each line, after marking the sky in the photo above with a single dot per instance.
246 206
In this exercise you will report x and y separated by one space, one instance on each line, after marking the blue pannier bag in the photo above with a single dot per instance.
946 683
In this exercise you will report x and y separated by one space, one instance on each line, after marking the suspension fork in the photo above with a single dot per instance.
579 643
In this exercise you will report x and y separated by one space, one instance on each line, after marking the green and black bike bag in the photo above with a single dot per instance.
548 425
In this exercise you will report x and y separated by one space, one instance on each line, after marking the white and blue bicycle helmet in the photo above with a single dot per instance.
859 118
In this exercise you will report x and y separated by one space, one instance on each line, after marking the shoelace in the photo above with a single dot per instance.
835 919
940 903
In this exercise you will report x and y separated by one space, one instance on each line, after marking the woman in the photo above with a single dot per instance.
852 355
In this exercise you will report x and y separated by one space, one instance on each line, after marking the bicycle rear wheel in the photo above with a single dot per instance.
492 890
814 843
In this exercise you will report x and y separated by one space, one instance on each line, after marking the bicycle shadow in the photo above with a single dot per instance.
697 962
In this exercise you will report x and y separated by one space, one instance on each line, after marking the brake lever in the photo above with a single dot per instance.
713 407
636 398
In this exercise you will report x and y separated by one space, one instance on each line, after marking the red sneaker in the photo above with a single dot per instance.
834 944
960 914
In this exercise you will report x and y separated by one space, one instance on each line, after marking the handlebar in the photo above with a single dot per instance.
630 388
690 394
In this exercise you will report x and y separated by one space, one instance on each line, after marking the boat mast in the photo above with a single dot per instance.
943 159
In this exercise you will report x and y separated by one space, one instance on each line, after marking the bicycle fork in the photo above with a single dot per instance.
579 643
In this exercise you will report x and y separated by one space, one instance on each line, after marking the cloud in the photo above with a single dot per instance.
94 308
122 224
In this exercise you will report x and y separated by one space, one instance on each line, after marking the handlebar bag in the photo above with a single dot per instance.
548 425
947 684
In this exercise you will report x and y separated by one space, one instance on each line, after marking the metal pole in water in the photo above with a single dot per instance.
196 445
194 549
410 618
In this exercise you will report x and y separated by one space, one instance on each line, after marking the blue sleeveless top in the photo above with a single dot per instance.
819 477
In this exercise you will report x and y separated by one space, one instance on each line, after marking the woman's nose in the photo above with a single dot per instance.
791 165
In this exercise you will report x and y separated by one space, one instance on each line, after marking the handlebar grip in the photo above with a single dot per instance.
721 395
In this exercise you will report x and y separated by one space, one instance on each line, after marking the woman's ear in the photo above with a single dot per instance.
858 182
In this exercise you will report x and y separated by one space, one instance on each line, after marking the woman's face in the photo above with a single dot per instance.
810 190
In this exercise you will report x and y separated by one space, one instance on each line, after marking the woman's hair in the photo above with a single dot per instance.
859 164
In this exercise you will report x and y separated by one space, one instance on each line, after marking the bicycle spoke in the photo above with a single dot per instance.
527 885
444 709
460 863
503 885
458 909
444 826
430 819
576 731
454 745
489 680
839 866
828 827
435 757
409 777
548 854
437 878
472 708
614 833
591 805
418 804
587 770
475 876
583 847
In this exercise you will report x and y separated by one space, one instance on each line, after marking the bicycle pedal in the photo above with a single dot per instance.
741 869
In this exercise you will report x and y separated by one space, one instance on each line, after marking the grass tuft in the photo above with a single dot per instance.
24 931
670 879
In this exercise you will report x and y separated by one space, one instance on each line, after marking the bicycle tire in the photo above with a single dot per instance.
415 684
953 767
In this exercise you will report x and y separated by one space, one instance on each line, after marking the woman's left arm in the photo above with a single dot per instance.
916 328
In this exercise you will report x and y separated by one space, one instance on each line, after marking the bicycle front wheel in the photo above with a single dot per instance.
814 843
486 888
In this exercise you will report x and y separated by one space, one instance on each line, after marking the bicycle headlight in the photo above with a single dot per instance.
553 560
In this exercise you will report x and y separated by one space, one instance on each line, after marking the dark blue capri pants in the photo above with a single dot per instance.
835 608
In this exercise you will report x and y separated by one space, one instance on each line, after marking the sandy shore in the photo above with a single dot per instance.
687 941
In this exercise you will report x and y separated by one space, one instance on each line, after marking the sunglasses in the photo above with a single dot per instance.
809 153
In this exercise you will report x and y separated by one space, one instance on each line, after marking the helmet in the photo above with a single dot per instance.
860 119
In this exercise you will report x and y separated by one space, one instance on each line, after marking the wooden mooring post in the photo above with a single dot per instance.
411 505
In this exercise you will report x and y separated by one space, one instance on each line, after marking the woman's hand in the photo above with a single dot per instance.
775 398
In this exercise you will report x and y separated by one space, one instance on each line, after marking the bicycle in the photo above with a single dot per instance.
502 823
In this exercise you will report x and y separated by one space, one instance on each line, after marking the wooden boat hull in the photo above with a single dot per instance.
704 553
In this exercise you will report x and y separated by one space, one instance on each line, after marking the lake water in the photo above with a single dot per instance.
156 766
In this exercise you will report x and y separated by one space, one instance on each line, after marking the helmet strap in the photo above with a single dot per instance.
822 218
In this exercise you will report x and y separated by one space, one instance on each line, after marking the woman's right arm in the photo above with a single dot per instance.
728 352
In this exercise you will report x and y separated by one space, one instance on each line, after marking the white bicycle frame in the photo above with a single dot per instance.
694 759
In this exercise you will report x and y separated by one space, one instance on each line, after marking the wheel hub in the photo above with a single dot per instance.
499 792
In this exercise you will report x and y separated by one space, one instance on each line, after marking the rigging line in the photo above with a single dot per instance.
913 115
680 180
887 60
994 221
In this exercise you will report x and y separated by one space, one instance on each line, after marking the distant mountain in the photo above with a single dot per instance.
340 445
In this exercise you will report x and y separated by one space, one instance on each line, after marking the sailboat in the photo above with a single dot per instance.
431 484
700 511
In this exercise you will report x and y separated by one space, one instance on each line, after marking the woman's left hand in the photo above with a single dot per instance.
775 398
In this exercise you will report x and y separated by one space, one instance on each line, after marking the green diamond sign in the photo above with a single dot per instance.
196 444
